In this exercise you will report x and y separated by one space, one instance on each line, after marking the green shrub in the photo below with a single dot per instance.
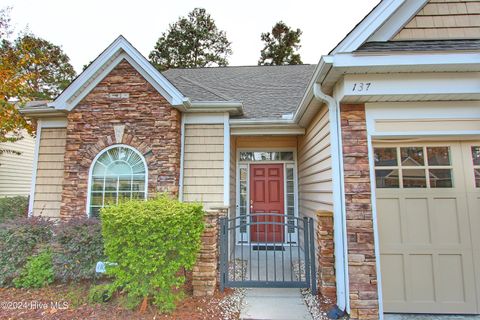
79 246
100 293
13 207
37 273
151 241
19 238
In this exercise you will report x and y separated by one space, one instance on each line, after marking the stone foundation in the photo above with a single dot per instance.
205 271
325 256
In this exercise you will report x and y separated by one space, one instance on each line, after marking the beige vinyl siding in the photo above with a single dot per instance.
315 167
444 19
203 164
48 185
16 170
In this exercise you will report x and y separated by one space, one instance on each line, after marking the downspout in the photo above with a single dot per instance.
340 227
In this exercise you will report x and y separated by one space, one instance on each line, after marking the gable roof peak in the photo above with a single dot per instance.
120 49
381 24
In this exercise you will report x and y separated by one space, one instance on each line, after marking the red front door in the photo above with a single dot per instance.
266 196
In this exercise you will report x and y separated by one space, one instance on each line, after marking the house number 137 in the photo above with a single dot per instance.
361 86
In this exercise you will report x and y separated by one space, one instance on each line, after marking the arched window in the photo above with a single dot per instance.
117 173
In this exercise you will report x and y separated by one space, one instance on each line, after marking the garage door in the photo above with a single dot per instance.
428 208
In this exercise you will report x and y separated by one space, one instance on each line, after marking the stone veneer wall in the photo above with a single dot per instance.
150 123
205 271
327 286
361 251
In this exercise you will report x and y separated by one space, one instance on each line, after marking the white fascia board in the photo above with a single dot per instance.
265 127
398 20
369 25
54 123
40 112
97 71
204 118
398 60
248 122
267 131
321 71
363 87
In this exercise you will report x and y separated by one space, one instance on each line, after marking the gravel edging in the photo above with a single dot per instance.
312 302
232 305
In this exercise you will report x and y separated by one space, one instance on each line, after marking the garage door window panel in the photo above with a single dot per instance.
413 167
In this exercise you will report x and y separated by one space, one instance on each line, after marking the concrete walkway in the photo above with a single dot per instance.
274 304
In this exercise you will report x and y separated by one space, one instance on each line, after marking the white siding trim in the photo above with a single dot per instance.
246 164
371 23
182 158
418 111
376 238
398 60
204 118
54 123
398 20
81 85
226 160
362 87
35 166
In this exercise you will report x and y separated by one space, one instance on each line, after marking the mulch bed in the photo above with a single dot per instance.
72 303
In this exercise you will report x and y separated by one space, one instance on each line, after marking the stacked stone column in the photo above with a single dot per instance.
325 256
205 271
358 201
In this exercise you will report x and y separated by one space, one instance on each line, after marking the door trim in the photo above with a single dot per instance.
246 164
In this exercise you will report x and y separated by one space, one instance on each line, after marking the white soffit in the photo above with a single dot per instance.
119 50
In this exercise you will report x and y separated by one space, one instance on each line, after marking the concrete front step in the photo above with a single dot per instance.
274 304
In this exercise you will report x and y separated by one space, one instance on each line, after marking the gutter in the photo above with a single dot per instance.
42 112
340 233
234 108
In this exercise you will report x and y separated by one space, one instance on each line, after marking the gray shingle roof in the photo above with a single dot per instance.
421 45
267 92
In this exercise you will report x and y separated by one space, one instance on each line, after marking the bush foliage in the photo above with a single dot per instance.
79 246
19 238
150 242
37 273
13 207
74 246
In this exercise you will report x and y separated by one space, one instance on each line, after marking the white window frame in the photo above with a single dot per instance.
92 165
246 164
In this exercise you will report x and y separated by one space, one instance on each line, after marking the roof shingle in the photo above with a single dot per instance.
267 92
421 45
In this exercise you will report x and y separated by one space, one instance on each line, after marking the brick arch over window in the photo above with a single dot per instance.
109 140
151 126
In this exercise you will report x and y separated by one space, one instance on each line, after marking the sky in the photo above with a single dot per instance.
85 28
